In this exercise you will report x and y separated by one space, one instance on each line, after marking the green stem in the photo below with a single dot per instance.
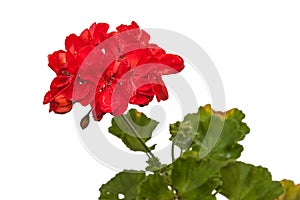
128 123
172 150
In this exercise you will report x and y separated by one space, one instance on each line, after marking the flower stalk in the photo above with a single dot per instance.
132 129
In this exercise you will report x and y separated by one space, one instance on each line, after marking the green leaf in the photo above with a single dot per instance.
125 184
183 133
291 191
154 187
154 164
194 179
140 123
215 135
246 182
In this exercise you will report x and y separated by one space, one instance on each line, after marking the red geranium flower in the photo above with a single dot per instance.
109 70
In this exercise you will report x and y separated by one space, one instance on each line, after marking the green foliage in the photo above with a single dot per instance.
291 191
155 187
125 127
194 179
215 134
154 164
124 183
242 181
183 133
209 141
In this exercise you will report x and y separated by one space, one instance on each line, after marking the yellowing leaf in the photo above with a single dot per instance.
211 134
291 191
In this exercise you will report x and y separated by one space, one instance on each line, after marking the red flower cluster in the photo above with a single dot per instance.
109 70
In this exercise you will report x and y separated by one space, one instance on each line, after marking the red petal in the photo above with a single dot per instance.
60 105
146 90
135 57
155 52
73 44
57 60
83 92
104 100
48 97
61 85
97 113
83 54
85 37
161 92
144 37
173 61
99 32
141 100
123 27
60 82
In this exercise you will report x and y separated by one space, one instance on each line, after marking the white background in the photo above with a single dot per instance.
254 44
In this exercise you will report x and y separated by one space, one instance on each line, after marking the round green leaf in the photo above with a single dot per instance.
194 179
154 187
124 184
247 182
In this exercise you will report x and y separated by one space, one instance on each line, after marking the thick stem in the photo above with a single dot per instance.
128 123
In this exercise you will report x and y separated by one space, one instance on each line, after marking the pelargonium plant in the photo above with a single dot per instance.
107 71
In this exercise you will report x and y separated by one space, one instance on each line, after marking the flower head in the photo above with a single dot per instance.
109 70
